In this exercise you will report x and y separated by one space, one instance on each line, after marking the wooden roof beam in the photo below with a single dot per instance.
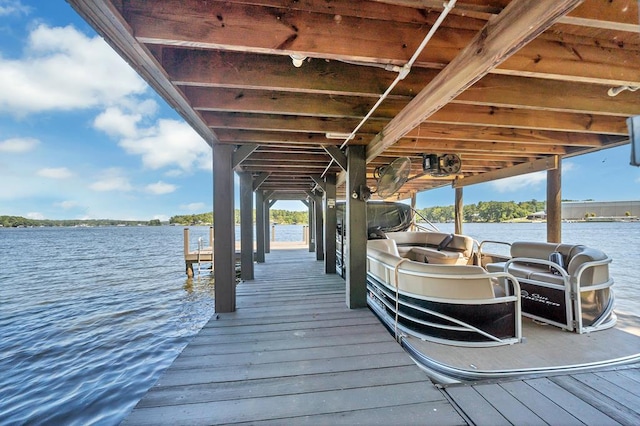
521 169
520 22
281 29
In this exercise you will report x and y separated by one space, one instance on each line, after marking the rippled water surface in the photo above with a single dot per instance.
90 317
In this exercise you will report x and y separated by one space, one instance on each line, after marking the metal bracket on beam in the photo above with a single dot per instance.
241 153
313 195
337 155
259 180
266 195
319 181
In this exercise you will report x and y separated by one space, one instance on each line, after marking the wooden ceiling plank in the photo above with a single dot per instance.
480 115
517 24
286 157
292 123
262 137
520 92
461 147
311 105
430 131
284 30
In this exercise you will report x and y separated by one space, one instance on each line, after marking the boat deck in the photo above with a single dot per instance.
293 353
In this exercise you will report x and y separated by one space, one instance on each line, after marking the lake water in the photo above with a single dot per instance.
90 317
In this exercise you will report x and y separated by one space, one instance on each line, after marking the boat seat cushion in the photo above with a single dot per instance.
429 255
460 243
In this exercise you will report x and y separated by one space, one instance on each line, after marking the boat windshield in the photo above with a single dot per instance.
383 215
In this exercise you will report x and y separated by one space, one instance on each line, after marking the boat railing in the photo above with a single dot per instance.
573 291
394 292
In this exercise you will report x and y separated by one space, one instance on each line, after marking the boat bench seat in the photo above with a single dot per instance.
573 257
423 247
442 281
562 284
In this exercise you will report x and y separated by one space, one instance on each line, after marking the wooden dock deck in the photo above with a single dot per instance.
293 353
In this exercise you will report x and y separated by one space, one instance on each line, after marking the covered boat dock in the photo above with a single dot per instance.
308 100
293 353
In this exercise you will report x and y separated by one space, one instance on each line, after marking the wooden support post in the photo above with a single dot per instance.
356 219
459 206
267 226
188 265
260 226
312 227
554 204
330 224
224 252
319 222
273 232
246 226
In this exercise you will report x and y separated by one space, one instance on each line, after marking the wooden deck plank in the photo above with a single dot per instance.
293 353
283 407
633 374
286 355
602 395
544 408
411 414
508 406
209 374
580 409
477 409
280 386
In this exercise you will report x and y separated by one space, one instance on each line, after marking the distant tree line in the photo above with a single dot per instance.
19 221
484 211
284 217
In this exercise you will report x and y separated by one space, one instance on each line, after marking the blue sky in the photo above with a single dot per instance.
82 136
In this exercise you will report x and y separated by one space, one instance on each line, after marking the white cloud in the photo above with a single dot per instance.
170 143
63 69
517 183
55 173
114 122
163 143
13 7
112 180
16 145
35 216
160 188
193 207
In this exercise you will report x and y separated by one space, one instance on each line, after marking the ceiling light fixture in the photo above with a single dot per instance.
335 135
297 59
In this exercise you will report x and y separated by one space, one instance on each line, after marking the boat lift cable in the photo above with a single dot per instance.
402 71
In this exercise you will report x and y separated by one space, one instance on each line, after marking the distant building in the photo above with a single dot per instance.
538 216
577 210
